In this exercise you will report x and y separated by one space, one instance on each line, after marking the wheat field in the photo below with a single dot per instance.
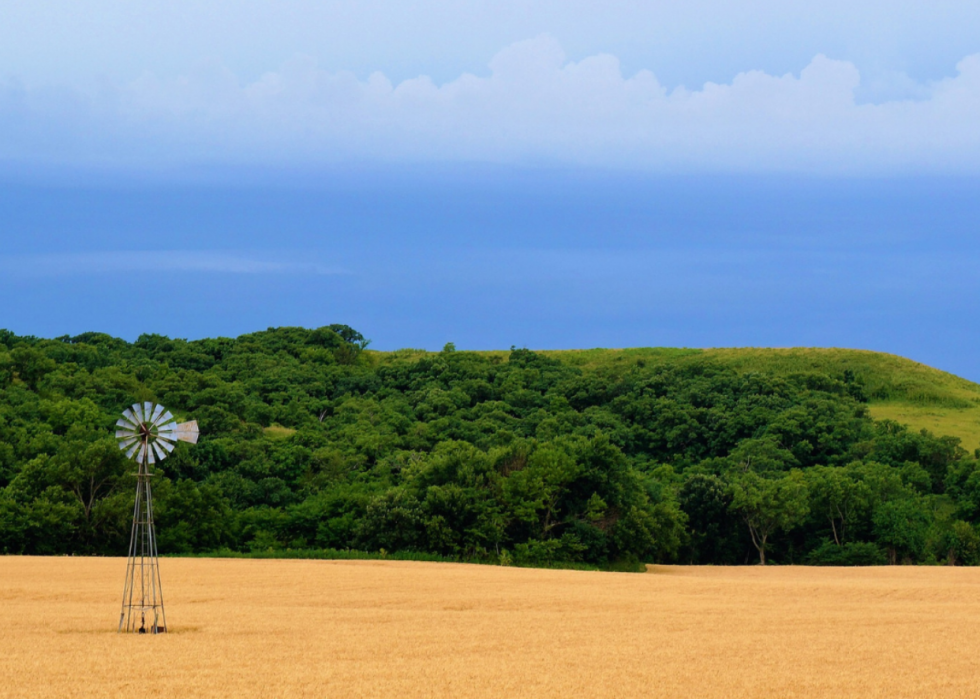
264 628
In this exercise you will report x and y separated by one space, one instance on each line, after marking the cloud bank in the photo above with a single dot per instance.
533 106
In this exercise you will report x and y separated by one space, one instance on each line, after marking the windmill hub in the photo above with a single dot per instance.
147 433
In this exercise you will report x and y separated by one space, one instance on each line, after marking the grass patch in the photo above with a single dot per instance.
278 432
621 358
963 423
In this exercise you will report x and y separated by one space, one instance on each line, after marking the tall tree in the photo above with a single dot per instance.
769 505
837 497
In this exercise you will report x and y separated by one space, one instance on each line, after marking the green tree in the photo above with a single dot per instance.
769 505
31 365
353 343
961 544
901 526
763 455
713 527
837 497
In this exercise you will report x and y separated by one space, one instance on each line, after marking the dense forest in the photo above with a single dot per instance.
310 442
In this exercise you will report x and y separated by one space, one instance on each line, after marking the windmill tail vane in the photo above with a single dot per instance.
147 432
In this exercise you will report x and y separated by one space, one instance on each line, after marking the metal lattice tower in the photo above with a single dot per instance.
147 433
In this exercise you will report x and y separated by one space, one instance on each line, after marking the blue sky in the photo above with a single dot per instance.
550 174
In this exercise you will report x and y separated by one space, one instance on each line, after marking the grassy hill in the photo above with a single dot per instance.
597 457
898 388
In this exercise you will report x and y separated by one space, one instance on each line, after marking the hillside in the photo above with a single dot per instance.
897 388
314 445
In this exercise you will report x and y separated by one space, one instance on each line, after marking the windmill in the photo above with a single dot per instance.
147 433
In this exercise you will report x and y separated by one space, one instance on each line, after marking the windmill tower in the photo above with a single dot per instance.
147 433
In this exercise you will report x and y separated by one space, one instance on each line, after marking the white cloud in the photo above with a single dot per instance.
532 106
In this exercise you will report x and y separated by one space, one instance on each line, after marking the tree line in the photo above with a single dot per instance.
311 442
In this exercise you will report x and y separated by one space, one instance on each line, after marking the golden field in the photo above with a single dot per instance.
262 628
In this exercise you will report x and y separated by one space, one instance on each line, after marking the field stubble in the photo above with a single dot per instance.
378 628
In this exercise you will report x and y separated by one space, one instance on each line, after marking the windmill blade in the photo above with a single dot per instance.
156 414
188 432
146 447
161 454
